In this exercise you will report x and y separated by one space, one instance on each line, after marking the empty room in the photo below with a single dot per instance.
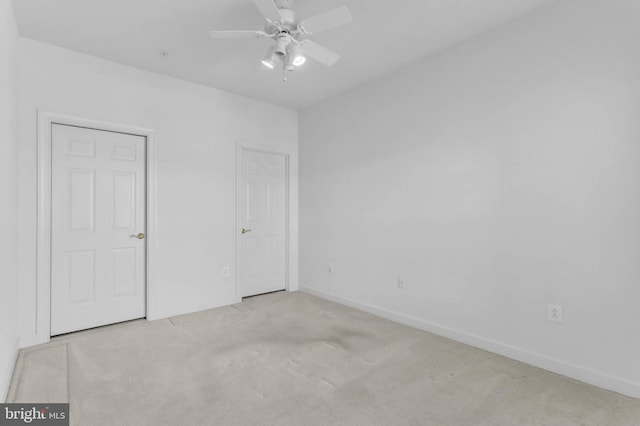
340 212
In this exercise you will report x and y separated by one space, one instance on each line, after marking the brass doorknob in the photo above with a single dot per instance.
139 236
244 231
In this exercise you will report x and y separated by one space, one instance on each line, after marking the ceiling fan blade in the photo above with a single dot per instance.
237 34
326 21
319 53
268 9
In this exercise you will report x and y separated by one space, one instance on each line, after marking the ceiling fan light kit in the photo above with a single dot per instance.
290 45
282 44
298 56
269 60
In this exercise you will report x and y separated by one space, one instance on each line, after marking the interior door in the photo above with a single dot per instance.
262 218
98 218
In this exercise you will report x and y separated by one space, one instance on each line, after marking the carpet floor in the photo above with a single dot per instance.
294 359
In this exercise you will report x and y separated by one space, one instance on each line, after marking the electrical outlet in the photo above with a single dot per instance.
554 313
401 282
225 271
330 267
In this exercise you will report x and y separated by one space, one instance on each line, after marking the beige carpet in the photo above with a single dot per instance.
293 359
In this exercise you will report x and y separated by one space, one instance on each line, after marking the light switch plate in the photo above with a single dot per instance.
554 313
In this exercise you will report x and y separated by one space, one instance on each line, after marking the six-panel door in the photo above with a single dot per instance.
262 215
98 209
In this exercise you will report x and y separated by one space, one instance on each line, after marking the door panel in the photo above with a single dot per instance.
262 210
124 267
80 276
124 205
98 202
82 199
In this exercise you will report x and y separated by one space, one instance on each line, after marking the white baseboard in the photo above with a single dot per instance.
5 380
567 369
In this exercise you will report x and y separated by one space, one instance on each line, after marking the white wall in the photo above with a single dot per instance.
498 177
196 129
8 194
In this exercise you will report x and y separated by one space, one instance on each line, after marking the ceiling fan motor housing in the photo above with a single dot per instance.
284 4
288 19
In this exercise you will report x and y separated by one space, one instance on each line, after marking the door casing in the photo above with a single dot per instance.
241 148
43 226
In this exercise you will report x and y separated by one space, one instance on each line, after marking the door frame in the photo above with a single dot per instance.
266 149
43 226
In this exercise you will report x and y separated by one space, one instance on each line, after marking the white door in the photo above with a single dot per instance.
97 228
262 220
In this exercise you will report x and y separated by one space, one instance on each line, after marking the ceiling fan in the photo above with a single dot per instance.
291 47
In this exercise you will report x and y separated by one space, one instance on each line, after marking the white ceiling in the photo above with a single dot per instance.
385 36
